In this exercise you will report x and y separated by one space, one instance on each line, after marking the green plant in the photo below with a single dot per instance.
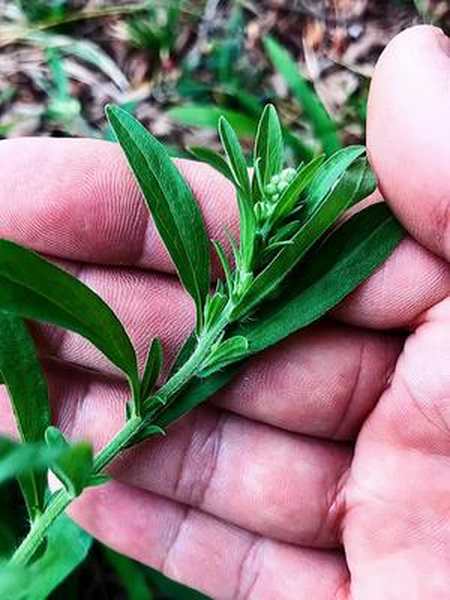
290 266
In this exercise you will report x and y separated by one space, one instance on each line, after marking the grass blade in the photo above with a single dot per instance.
323 125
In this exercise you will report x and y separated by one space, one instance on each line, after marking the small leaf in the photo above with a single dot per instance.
17 460
27 389
235 156
213 308
213 159
247 233
343 195
324 126
227 352
33 288
171 203
152 368
269 144
224 263
290 196
74 465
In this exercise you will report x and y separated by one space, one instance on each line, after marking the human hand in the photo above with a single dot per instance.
336 440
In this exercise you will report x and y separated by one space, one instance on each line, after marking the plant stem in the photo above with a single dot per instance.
39 529
164 397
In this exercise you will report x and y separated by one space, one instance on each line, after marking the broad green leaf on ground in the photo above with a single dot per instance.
269 144
207 116
131 575
212 158
33 288
323 125
333 270
344 194
27 389
73 464
171 203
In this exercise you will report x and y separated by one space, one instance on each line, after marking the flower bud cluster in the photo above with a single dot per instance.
272 192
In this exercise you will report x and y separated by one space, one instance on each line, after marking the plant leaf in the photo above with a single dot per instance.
17 460
212 158
33 288
207 116
269 144
171 203
235 156
73 466
27 388
331 272
131 575
344 194
152 368
67 546
323 125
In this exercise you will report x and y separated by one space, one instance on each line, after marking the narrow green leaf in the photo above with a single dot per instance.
235 156
17 460
27 388
152 368
323 125
247 232
331 272
269 144
329 173
74 465
207 116
212 158
296 187
170 200
33 288
343 195
224 263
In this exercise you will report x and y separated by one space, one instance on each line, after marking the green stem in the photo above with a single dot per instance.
164 397
39 529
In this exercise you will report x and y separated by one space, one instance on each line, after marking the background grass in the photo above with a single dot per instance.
177 65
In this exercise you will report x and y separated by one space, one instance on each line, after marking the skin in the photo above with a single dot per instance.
323 470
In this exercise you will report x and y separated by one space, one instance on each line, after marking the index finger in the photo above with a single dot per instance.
77 199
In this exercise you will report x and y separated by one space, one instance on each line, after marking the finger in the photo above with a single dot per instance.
322 381
77 199
205 553
408 133
256 476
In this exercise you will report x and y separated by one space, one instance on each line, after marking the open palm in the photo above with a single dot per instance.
323 470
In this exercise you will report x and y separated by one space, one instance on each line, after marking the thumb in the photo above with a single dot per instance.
409 133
